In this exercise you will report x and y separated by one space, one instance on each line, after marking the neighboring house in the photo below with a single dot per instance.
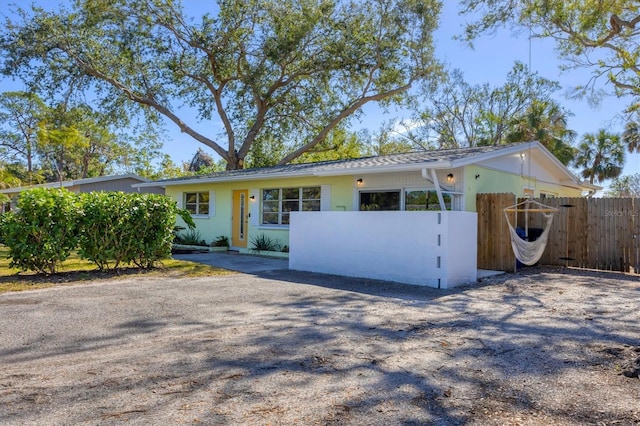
122 183
242 204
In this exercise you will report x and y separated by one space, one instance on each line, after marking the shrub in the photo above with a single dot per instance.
191 238
43 230
123 228
220 241
108 228
263 243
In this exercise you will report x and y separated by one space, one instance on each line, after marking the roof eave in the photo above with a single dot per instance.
196 181
385 169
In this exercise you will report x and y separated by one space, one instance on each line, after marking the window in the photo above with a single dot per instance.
379 200
414 200
197 203
278 203
418 200
544 195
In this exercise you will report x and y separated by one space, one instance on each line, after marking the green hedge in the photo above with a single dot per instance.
43 231
108 228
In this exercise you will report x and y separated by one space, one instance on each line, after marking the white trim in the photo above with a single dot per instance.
212 203
325 198
254 207
211 209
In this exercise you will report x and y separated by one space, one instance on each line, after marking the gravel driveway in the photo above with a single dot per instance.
535 348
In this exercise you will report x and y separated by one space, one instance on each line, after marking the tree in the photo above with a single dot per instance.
77 143
202 163
593 34
142 155
464 115
20 115
601 156
289 69
340 144
545 122
631 136
388 141
8 179
625 186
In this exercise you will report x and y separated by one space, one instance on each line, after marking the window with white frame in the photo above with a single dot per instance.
197 203
278 203
420 200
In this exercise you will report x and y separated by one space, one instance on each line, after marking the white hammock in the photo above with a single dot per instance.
529 252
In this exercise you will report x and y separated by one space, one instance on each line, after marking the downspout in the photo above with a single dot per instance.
434 179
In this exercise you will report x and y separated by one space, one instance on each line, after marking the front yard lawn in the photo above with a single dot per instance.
75 270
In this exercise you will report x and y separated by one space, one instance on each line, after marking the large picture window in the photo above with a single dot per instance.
420 200
197 203
414 200
379 200
278 203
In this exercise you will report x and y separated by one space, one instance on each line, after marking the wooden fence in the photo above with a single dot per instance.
590 233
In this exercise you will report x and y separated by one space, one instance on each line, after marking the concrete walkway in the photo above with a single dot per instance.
249 264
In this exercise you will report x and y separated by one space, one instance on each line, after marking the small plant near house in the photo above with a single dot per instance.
263 243
220 241
176 233
285 249
190 238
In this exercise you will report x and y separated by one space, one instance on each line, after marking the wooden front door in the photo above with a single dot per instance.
240 218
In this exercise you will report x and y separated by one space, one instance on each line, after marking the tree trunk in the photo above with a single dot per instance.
234 162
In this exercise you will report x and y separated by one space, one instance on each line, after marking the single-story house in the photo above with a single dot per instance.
122 183
244 204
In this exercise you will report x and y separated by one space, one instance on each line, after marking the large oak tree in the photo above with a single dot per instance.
595 34
265 69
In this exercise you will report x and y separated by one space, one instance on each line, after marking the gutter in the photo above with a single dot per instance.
436 183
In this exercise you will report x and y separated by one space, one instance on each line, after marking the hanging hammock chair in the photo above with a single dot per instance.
529 252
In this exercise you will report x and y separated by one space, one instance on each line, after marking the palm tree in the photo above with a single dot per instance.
631 136
601 156
545 122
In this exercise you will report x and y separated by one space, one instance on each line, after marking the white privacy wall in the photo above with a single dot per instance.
435 249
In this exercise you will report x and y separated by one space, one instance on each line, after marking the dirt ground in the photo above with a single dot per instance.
541 347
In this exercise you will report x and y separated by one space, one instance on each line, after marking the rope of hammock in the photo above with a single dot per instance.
529 252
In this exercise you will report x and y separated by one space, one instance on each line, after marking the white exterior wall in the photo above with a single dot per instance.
435 249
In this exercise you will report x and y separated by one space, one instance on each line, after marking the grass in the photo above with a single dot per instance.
76 270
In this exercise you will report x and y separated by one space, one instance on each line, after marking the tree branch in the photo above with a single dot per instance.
343 114
150 102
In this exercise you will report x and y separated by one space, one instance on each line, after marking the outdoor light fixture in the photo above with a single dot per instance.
252 198
450 177
359 182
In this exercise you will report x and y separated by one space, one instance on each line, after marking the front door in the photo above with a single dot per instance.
240 218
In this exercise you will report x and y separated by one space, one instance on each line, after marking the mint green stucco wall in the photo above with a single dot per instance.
494 181
219 223
343 191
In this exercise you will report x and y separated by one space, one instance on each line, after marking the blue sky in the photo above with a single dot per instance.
490 61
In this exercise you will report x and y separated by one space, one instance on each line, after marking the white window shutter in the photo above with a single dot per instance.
212 203
254 207
180 200
325 198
